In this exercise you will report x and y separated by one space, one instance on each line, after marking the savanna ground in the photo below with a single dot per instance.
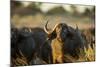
84 23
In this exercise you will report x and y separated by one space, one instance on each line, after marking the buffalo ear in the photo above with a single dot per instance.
52 35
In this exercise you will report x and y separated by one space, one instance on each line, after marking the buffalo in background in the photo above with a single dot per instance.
22 44
43 47
31 43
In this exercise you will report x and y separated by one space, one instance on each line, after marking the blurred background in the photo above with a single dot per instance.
35 14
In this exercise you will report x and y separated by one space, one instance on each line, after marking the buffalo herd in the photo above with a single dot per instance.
46 46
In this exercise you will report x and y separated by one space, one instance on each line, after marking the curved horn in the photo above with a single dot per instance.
55 26
46 29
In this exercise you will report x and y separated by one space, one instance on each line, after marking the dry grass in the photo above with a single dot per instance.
87 55
39 20
90 54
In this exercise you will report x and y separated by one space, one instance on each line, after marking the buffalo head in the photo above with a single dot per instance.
61 31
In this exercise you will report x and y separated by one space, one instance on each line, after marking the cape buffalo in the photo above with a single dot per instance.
64 40
42 48
32 43
23 44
